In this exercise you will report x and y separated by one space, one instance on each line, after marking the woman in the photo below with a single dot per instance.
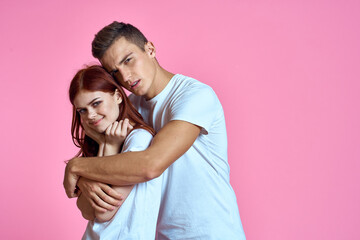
102 116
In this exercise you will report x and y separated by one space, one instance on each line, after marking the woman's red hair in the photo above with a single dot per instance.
95 78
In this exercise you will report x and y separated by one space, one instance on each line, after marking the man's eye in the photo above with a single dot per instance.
127 60
113 73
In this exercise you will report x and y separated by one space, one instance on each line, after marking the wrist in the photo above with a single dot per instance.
111 149
73 166
101 142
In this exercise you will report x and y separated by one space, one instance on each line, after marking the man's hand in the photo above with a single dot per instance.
70 180
101 196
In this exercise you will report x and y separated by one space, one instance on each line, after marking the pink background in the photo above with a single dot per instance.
286 72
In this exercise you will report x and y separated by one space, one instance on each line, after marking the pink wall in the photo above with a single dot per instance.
287 73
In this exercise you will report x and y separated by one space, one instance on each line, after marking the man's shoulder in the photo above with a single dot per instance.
185 84
185 80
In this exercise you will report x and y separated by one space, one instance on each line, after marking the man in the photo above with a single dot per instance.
191 143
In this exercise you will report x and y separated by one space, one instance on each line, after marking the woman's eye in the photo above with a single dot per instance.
81 111
96 103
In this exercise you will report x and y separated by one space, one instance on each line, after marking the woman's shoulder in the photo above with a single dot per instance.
139 132
138 139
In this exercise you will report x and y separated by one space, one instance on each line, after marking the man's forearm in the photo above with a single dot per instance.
121 169
172 141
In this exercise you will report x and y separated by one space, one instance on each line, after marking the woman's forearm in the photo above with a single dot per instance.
108 150
101 150
107 216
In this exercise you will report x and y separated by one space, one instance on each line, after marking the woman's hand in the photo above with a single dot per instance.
116 133
97 137
101 197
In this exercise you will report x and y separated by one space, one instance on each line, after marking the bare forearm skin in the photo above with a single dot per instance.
135 167
108 215
85 208
121 169
84 205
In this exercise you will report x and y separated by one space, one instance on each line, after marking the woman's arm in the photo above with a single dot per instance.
108 215
83 204
90 209
114 137
87 211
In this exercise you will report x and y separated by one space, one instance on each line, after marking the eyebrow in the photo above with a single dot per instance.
91 102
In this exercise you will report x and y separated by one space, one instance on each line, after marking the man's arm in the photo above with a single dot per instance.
171 142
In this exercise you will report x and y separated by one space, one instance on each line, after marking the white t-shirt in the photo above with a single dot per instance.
137 217
197 199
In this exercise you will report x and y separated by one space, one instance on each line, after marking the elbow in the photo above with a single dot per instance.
151 174
88 217
105 216
153 169
86 211
101 218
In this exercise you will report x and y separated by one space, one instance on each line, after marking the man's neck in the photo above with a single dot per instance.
162 78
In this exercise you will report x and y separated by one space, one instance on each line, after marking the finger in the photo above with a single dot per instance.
70 181
100 201
71 194
103 192
113 128
97 208
130 127
124 128
108 130
112 193
112 202
118 128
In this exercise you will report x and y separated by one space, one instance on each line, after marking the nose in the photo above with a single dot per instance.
127 75
91 114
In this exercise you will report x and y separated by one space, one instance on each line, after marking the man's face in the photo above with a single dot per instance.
134 68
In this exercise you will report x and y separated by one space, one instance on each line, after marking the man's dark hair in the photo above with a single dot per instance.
106 36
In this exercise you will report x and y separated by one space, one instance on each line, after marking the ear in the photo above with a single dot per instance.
117 96
150 49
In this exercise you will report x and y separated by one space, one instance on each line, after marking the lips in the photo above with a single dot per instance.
135 84
95 123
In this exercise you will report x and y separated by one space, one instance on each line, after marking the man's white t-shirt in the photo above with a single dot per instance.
198 201
137 217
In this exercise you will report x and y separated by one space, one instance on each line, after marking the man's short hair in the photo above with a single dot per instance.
106 36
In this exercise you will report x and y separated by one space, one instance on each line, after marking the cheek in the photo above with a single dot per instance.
139 67
111 110
148 68
82 119
116 112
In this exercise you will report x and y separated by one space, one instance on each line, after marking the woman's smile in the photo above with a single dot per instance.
97 122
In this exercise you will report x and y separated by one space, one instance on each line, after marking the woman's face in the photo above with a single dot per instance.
97 109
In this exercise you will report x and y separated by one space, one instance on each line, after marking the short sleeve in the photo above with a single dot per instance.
138 140
197 104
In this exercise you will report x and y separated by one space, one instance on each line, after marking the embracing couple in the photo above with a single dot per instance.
154 165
